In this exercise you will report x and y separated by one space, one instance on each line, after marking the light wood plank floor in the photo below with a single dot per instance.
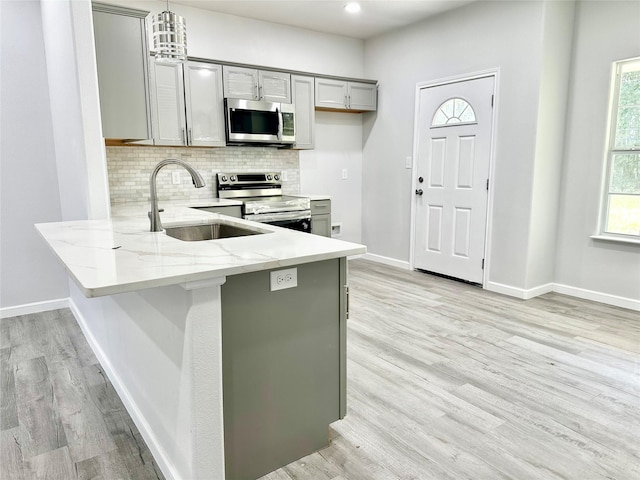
60 417
449 381
446 381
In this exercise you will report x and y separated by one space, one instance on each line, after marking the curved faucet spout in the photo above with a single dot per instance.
154 214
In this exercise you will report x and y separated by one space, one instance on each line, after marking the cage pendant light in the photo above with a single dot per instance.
170 37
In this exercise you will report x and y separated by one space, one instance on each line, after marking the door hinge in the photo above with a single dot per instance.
487 184
492 100
483 264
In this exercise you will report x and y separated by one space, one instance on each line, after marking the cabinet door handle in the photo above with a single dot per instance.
346 294
257 92
279 124
346 103
349 104
184 137
189 137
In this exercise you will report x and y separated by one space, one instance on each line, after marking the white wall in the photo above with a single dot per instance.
338 147
481 36
77 132
605 32
29 273
230 38
552 106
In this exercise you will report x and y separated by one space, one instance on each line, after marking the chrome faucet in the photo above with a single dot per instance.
154 214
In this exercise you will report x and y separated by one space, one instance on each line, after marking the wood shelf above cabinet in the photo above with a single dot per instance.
340 110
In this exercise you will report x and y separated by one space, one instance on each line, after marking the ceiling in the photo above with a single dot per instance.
329 16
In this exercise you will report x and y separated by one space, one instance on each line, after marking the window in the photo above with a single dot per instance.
454 111
622 192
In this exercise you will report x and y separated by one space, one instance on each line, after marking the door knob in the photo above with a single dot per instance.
419 191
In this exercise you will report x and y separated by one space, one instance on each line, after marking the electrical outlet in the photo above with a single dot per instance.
344 174
281 279
175 177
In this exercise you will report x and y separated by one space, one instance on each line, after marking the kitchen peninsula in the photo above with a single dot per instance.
220 367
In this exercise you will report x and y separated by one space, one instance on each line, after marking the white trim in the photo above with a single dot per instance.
519 292
35 307
492 72
615 300
387 261
206 283
617 239
491 193
159 455
459 78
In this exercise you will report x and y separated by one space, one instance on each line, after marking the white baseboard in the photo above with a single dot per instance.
157 451
386 260
524 294
623 302
35 307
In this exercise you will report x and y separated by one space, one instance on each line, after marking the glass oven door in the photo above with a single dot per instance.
300 221
252 121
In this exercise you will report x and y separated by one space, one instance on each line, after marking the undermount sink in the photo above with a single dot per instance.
209 231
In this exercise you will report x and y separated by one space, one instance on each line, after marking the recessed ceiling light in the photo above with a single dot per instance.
352 7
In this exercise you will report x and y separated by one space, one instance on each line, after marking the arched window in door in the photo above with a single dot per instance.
455 111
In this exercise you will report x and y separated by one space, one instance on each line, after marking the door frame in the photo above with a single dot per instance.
495 73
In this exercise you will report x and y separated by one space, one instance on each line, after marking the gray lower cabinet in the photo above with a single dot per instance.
187 104
229 210
321 217
284 366
121 58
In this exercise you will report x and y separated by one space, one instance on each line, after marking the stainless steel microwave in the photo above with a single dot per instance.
251 121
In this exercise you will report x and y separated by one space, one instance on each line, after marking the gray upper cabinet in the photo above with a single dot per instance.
187 104
167 104
344 95
302 93
121 57
253 84
205 104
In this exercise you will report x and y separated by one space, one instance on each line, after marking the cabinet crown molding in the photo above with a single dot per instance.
118 10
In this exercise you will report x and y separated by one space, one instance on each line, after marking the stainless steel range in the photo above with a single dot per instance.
261 194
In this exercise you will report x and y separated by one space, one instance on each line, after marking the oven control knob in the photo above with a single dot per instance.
233 178
276 178
224 178
269 177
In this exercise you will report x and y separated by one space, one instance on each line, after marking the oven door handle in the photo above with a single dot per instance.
279 216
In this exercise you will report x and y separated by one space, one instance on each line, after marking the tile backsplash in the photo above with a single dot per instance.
130 168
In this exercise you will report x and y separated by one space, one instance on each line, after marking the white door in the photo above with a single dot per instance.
452 174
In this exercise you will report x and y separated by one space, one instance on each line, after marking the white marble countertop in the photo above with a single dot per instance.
120 254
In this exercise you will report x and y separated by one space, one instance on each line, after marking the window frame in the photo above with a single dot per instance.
611 150
454 124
